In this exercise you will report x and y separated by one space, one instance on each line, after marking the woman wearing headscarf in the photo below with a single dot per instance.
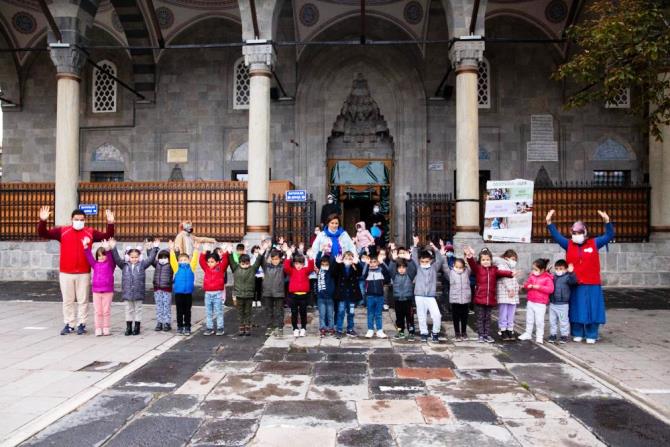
185 239
334 236
587 303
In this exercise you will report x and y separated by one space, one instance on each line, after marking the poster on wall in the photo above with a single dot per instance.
508 216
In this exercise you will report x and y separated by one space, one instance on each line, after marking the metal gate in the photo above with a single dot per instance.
430 216
293 221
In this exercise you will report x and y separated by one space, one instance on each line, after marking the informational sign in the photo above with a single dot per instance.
436 166
542 146
90 209
296 195
508 216
177 155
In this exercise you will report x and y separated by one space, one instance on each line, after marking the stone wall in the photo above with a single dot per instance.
623 264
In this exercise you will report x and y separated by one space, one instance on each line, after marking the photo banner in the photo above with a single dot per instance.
508 216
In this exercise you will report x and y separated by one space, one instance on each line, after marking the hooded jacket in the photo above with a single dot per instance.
375 279
485 282
298 281
274 279
505 285
403 285
103 272
563 288
215 277
133 276
163 273
363 238
460 291
425 283
346 281
545 282
245 279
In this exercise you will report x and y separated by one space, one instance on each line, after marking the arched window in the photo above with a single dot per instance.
104 88
620 101
484 85
241 90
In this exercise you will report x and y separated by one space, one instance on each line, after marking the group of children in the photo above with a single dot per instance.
279 274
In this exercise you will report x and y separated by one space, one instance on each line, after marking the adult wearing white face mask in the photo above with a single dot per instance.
331 207
75 271
587 303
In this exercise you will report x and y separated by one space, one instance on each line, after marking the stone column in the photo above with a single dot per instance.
465 57
68 61
259 58
659 177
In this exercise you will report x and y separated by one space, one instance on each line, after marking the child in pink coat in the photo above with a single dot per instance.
102 284
540 285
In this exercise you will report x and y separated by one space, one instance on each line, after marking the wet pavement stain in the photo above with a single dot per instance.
269 390
537 414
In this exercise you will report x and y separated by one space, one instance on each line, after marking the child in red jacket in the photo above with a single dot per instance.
298 288
486 276
540 285
214 284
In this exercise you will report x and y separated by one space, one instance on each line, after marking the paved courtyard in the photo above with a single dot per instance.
259 391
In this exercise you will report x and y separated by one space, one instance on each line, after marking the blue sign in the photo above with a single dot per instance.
296 195
90 209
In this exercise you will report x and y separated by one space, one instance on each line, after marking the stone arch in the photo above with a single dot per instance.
174 34
9 68
529 20
107 157
611 148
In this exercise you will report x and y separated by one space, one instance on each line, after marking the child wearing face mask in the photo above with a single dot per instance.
133 275
163 275
102 283
325 300
213 284
425 289
346 272
244 276
508 295
298 269
183 284
485 299
274 292
540 285
460 296
559 307
403 271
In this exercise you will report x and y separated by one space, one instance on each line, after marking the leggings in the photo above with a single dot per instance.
460 316
298 306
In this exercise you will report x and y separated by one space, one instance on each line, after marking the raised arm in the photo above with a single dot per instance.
555 234
109 232
224 261
606 238
194 259
151 259
203 262
120 263
411 269
504 273
89 257
473 264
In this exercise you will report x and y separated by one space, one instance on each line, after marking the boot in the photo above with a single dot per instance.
129 328
159 327
136 331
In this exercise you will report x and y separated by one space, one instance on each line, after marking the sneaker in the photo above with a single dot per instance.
187 331
338 335
352 333
552 339
577 339
386 307
296 333
167 327
106 331
424 338
67 330
590 341
220 332
512 335
208 332
525 336
159 327
539 341
81 329
369 333
98 332
457 337
481 339
268 332
180 330
410 337
504 335
464 337
322 333
435 338
302 332
381 334
331 332
563 340
489 339
399 335
253 304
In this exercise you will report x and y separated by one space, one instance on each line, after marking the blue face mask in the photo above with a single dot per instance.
450 254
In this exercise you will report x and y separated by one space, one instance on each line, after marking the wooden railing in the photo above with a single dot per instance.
142 209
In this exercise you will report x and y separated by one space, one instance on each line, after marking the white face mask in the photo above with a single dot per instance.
450 254
325 269
163 261
561 273
330 200
511 262
458 270
578 238
78 224
536 273
425 266
347 263
375 210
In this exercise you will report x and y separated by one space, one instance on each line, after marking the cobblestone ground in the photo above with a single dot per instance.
310 391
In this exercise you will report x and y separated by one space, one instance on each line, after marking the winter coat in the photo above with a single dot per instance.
103 272
346 244
403 285
245 279
545 282
183 242
273 280
325 283
375 279
363 238
184 274
346 281
72 258
505 285
460 291
163 273
425 283
215 278
563 286
485 282
133 277
298 280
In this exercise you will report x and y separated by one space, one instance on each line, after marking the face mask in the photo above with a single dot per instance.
511 262
375 210
183 263
458 270
347 263
78 225
330 200
325 269
578 238
450 254
163 261
425 266
561 273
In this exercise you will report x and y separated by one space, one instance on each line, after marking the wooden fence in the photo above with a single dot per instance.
142 209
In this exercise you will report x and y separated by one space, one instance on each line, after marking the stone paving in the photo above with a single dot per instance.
310 391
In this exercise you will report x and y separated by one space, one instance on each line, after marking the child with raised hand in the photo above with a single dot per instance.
403 271
486 274
325 299
375 274
460 296
214 284
258 290
347 291
508 295
540 284
102 284
163 275
184 279
133 276
425 289
274 291
244 275
559 308
298 269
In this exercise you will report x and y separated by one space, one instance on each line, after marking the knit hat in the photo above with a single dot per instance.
579 227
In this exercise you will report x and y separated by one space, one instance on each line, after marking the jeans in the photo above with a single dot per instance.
506 316
588 330
326 312
535 315
163 301
375 307
424 306
214 308
348 308
558 316
184 302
